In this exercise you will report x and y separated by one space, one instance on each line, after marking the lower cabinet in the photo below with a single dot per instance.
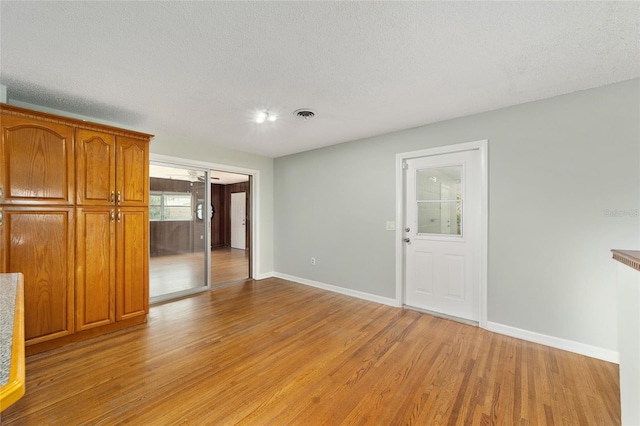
96 267
39 242
132 263
112 277
85 270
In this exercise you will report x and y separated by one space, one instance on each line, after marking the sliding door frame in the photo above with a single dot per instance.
254 210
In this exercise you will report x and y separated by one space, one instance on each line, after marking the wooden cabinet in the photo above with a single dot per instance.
96 267
39 242
96 168
132 176
74 220
132 287
37 162
112 170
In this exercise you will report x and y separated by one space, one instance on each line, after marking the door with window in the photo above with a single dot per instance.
442 234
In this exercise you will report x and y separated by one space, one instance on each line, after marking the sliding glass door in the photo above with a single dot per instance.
179 220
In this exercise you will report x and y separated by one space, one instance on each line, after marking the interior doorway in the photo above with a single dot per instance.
190 230
230 250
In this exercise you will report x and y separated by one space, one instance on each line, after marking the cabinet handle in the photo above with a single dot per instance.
119 198
113 216
112 196
1 194
119 216
1 216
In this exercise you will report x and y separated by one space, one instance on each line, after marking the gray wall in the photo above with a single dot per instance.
564 188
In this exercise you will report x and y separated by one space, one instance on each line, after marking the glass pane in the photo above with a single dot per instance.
177 240
177 200
443 183
440 217
155 213
177 213
155 199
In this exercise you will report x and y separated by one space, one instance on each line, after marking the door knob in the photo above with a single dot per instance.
406 240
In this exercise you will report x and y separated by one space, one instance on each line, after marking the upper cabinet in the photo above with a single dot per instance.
111 170
95 168
132 172
38 162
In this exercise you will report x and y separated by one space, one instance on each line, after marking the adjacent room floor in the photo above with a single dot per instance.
169 274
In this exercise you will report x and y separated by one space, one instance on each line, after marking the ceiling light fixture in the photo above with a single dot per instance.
263 116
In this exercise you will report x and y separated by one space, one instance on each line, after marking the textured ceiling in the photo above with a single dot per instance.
200 70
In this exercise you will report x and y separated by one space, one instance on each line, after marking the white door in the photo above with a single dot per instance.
238 220
442 234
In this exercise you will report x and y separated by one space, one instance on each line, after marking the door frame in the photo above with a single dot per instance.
254 200
483 149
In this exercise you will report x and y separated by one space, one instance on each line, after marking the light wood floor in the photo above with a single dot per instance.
273 352
168 274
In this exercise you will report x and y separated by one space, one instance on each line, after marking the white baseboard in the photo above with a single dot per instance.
336 289
556 342
530 336
264 276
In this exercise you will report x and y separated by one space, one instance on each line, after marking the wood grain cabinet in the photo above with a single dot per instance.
39 242
74 220
112 225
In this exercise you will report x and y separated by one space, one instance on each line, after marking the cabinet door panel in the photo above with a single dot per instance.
132 165
95 168
132 257
95 267
38 162
39 243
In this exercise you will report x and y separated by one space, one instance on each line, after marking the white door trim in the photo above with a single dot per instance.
255 198
483 148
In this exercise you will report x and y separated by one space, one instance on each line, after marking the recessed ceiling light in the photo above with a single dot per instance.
263 116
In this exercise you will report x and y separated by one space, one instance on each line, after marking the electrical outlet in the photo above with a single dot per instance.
313 260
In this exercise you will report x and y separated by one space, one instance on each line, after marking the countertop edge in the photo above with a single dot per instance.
14 389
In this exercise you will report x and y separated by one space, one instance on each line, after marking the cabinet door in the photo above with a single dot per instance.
132 172
95 168
132 257
95 267
37 162
40 244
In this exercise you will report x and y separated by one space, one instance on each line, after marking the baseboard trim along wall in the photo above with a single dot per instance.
530 336
336 289
264 276
555 342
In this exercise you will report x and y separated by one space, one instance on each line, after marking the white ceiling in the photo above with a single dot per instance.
200 70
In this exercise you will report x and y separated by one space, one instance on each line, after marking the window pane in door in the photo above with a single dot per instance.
443 183
440 217
439 198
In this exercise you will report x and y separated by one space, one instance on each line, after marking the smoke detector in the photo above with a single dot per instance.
304 114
